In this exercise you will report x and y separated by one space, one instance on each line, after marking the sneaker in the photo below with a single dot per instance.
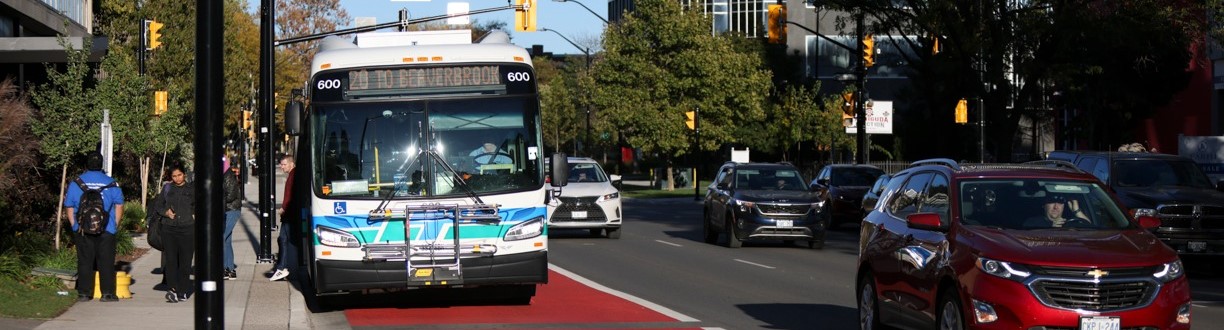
230 274
83 298
171 297
108 298
183 296
280 274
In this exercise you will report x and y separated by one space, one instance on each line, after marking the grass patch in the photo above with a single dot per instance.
632 191
34 299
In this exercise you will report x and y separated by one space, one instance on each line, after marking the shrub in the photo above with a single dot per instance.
123 242
133 216
64 259
11 266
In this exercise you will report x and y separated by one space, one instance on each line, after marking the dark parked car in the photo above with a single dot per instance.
845 186
1013 246
762 201
1172 188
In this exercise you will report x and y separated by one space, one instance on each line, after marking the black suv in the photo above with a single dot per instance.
1172 188
763 201
845 186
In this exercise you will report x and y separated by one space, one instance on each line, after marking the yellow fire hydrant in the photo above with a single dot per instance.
122 283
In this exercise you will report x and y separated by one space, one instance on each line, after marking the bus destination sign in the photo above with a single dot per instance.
430 77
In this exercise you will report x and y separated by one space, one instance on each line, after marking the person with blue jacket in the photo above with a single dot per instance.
95 252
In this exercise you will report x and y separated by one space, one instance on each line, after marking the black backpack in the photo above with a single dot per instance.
92 216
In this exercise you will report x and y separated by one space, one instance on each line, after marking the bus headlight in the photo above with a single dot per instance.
527 229
333 237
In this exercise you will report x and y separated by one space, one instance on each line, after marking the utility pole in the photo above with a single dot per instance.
696 151
860 114
267 179
209 209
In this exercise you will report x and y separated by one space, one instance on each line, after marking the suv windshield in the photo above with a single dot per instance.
1153 173
586 172
769 179
1033 203
854 176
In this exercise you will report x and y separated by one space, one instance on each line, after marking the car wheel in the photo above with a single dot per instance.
950 317
868 307
711 236
732 241
613 233
597 232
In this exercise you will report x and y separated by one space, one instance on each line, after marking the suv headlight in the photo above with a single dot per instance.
334 237
1169 272
609 197
527 229
744 206
1007 270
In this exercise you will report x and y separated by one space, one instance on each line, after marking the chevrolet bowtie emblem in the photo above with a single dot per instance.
1097 273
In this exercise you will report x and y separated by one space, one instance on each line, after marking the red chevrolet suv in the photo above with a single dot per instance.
1013 246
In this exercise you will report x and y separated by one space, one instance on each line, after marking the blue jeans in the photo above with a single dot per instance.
288 251
231 219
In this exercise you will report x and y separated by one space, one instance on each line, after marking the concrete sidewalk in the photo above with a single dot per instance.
251 301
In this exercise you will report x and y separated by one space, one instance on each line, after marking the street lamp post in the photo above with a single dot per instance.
586 139
585 7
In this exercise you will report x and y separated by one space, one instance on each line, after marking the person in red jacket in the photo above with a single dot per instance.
287 249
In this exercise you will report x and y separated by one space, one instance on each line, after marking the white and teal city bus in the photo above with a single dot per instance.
419 165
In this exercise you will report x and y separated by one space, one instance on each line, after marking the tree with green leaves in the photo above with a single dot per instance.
558 115
67 125
662 61
1113 62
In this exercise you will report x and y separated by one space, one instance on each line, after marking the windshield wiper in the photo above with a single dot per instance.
380 212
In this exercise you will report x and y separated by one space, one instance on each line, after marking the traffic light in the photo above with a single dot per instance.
777 24
246 120
524 16
935 46
691 122
847 109
160 98
962 111
154 34
868 50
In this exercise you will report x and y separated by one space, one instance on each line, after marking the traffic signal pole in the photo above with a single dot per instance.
860 114
209 207
267 177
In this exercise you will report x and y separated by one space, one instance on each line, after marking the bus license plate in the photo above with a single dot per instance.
1100 323
578 214
1197 246
785 223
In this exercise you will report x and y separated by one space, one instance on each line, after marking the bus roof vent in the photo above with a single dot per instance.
495 37
334 42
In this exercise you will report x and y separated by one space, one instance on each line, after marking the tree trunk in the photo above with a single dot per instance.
671 181
144 183
59 207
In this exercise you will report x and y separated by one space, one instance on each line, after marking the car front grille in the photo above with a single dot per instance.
1190 216
1091 295
565 212
784 209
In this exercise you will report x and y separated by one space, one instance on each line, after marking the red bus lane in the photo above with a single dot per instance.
563 302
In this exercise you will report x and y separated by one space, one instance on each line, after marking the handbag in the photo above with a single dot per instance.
154 222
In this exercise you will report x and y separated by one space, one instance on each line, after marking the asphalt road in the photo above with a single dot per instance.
661 258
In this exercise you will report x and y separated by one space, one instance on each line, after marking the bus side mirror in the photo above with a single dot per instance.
293 118
560 170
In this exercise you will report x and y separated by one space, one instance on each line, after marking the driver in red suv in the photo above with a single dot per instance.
1015 246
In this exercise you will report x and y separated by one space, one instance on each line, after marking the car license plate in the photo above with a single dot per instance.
1100 323
578 214
786 223
1197 246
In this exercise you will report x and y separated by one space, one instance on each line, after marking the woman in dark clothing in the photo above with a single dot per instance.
176 204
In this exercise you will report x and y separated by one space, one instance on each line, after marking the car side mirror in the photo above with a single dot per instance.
616 180
925 221
869 203
823 182
1148 222
721 186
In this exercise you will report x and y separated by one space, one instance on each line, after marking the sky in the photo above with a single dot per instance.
569 19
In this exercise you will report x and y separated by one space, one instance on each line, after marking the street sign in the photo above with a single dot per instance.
879 118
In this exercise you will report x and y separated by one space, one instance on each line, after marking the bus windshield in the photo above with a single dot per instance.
371 149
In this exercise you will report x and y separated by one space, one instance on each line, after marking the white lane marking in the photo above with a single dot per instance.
1197 305
755 264
645 303
668 243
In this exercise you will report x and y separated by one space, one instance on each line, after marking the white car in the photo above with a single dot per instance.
588 201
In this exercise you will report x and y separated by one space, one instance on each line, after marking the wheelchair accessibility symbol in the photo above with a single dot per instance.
341 207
